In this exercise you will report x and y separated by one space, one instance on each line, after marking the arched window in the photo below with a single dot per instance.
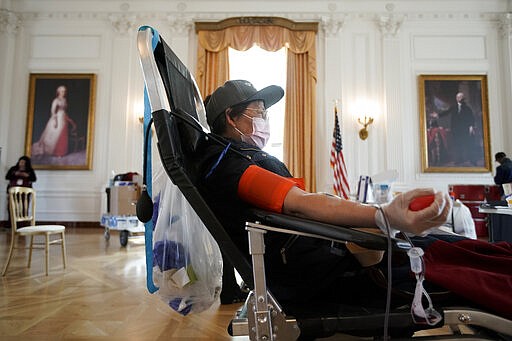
271 34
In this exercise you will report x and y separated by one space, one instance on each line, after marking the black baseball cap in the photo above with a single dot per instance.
239 91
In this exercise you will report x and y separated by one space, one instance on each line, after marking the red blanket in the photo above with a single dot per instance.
476 270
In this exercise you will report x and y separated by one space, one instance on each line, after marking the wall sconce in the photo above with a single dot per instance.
365 111
363 133
138 111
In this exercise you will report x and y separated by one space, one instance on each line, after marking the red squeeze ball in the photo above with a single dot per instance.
419 203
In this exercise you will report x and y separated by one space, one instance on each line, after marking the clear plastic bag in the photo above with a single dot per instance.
187 263
463 222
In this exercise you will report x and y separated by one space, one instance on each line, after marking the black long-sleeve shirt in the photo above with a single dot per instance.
16 180
503 172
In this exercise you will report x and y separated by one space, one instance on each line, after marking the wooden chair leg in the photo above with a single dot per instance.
63 246
30 251
47 251
11 251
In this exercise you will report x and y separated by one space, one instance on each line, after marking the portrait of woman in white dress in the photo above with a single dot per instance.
60 120
54 138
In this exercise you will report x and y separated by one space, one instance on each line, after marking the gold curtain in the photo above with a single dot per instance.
212 63
300 112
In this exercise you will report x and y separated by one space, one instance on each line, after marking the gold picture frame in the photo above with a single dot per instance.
454 124
60 120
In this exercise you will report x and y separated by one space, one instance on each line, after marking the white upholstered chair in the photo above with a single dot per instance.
22 208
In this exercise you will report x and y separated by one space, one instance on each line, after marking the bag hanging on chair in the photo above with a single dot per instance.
187 263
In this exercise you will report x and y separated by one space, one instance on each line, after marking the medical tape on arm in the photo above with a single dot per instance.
264 189
382 222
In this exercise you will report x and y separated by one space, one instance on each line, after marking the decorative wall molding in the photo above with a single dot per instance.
123 23
389 23
505 25
180 25
32 16
181 21
443 16
316 16
332 25
10 22
257 21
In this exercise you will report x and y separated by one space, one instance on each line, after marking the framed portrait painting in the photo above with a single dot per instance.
454 124
60 120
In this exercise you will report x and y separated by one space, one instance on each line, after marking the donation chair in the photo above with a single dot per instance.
180 125
22 208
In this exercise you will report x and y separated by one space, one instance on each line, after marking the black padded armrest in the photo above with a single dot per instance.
327 231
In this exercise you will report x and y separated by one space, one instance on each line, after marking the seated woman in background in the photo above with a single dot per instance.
21 174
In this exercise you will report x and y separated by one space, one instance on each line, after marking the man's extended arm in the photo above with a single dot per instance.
270 191
337 211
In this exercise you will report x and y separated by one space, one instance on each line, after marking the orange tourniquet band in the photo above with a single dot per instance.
264 189
300 183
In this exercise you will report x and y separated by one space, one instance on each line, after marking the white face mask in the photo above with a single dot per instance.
260 132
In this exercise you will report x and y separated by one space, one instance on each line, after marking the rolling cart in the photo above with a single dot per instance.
127 225
122 198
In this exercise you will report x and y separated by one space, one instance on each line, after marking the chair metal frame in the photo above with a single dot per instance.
262 318
22 208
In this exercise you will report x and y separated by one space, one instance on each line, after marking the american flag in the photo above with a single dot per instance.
340 185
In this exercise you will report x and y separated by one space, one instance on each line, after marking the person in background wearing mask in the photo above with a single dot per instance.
238 175
503 171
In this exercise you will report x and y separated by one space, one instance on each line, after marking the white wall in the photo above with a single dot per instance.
373 49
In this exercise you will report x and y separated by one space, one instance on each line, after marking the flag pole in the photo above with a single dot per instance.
336 116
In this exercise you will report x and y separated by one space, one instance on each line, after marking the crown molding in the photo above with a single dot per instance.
331 10
181 21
